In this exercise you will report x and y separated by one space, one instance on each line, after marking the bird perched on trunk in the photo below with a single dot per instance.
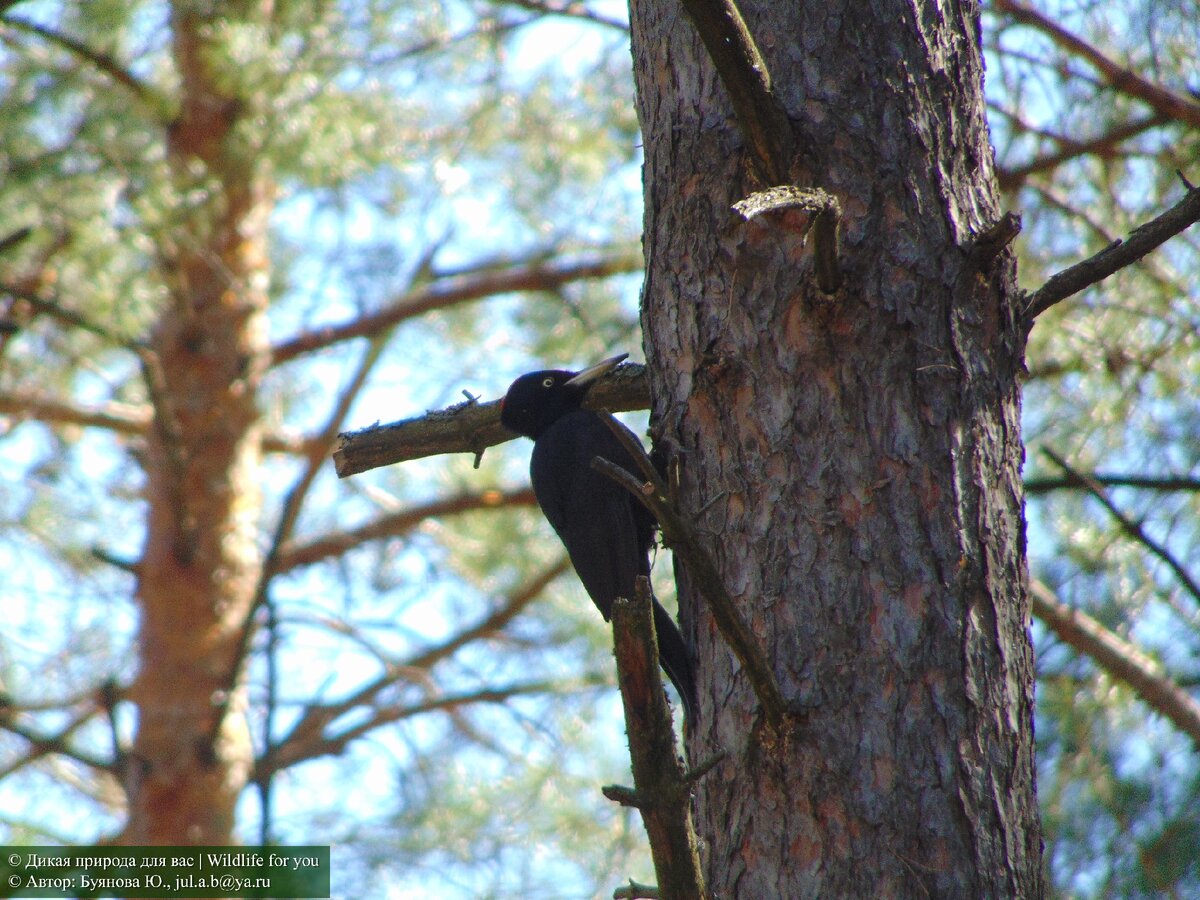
607 533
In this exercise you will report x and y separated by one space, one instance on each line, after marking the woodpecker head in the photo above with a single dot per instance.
536 401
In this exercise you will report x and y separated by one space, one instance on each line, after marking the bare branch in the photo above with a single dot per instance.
43 744
1070 148
14 238
316 457
1130 527
491 624
307 735
295 555
127 419
69 317
469 427
1167 103
759 112
102 62
122 418
1044 485
1119 658
288 517
286 754
1116 256
570 9
536 276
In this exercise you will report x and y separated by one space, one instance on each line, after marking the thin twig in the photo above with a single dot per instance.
1130 527
447 292
1044 485
392 525
570 9
284 528
681 537
41 744
120 418
69 317
102 62
14 238
1103 145
1177 107
285 755
304 738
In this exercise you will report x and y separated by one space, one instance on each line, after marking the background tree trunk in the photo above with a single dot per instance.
201 564
855 459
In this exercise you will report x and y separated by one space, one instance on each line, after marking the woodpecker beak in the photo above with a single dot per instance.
596 372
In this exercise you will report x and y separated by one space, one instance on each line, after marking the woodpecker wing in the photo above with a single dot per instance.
594 517
606 531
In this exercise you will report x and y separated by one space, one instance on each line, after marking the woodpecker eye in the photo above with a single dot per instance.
547 382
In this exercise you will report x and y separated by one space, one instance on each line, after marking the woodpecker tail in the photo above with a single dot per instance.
673 655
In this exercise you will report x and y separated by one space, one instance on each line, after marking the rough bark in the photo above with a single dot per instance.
200 563
854 461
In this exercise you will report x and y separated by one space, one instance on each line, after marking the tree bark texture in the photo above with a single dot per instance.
853 461
200 565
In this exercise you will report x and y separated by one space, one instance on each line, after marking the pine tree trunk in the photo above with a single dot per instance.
200 565
854 460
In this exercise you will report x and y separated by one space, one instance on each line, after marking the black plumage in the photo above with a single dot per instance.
607 533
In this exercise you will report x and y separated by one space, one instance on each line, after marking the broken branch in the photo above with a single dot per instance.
468 427
826 223
661 789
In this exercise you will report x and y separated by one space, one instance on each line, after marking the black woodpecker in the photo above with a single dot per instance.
607 533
